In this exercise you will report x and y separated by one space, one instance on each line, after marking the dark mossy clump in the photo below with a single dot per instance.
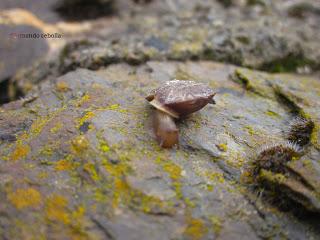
274 158
77 10
300 130
9 92
300 10
226 3
256 2
142 1
289 63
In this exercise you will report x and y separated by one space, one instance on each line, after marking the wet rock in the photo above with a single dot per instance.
193 192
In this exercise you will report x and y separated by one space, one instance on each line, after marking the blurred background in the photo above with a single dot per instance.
275 36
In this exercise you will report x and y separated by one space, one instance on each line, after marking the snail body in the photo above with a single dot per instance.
165 129
173 100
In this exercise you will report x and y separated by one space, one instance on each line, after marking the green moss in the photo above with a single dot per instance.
242 78
287 99
181 74
255 2
271 177
314 139
182 50
253 82
272 114
250 130
290 63
210 188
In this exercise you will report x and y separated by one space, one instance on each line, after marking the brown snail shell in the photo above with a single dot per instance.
173 100
179 98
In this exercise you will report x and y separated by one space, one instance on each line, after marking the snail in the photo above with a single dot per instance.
174 100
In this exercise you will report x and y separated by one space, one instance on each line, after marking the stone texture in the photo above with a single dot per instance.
78 156
110 180
263 36
18 53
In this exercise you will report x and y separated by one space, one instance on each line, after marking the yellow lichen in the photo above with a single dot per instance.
20 152
85 118
64 165
222 147
56 209
210 188
215 177
272 177
183 74
272 114
250 130
174 172
79 144
195 229
104 147
91 170
23 198
85 98
62 86
186 47
314 139
216 224
116 107
38 125
56 128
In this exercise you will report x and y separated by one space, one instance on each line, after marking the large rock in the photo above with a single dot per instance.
18 52
58 10
261 36
79 159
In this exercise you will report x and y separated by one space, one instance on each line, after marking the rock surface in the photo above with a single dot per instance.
18 53
263 36
80 160
78 156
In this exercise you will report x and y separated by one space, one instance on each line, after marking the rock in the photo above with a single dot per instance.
265 39
112 181
17 53
52 11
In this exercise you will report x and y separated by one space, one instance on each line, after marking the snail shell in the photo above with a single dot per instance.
174 100
179 98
